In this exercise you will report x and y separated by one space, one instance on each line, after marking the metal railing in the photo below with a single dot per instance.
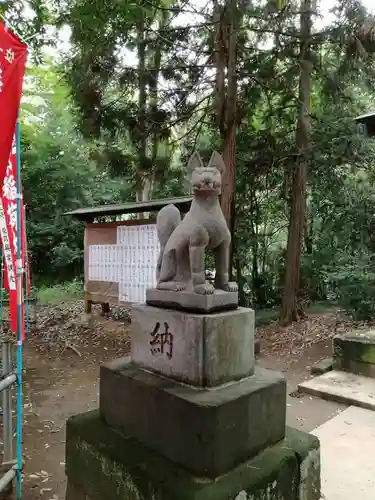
8 379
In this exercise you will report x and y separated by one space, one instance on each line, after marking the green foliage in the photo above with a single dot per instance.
58 176
140 97
353 284
345 245
59 293
34 21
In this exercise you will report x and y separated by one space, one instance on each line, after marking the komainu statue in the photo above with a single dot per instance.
181 263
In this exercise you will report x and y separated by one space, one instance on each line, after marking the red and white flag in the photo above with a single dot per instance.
13 55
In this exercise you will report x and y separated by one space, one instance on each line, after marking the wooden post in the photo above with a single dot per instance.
88 303
105 308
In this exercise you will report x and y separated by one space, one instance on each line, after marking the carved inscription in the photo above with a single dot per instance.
161 343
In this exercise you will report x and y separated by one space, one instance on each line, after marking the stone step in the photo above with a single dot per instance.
343 387
347 444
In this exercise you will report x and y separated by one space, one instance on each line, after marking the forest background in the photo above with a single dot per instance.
118 94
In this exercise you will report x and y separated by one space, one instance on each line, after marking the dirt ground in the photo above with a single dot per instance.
61 379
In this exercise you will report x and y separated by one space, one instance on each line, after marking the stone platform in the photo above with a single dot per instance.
190 301
204 350
104 465
343 387
355 353
347 444
206 431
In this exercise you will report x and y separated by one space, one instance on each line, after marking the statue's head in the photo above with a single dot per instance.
206 180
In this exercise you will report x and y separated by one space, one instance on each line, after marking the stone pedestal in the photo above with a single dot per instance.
203 350
206 431
193 302
355 353
189 417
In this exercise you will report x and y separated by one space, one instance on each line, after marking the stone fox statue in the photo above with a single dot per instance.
181 263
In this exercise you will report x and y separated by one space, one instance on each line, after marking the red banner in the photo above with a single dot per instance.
8 222
13 54
9 235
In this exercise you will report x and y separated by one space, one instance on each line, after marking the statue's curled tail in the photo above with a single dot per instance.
167 220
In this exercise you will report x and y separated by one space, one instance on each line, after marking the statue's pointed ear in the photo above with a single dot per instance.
216 161
194 162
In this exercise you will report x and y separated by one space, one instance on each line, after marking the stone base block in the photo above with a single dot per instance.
194 302
206 431
103 465
198 349
355 353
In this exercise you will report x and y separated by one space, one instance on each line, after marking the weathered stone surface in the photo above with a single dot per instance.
343 387
355 353
322 366
107 466
207 431
205 350
347 444
219 300
307 450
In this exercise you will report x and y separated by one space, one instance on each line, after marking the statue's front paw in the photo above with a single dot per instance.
204 289
231 287
180 287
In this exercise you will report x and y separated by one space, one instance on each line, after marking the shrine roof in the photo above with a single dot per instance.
368 120
90 213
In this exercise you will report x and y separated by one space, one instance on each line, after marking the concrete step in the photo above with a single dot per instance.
343 387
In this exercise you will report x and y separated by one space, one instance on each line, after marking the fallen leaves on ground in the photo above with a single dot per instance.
66 327
297 337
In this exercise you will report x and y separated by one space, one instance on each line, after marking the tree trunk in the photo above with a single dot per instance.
290 310
229 112
226 18
142 101
154 101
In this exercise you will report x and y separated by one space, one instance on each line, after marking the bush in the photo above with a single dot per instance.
353 284
57 294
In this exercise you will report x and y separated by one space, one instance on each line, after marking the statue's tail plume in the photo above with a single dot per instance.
167 220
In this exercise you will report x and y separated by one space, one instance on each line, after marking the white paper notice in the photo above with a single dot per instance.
139 249
131 263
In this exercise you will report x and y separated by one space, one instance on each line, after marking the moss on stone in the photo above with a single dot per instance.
355 353
368 354
109 466
354 348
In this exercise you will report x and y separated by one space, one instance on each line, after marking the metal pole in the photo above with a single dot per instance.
7 406
20 319
7 478
8 381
